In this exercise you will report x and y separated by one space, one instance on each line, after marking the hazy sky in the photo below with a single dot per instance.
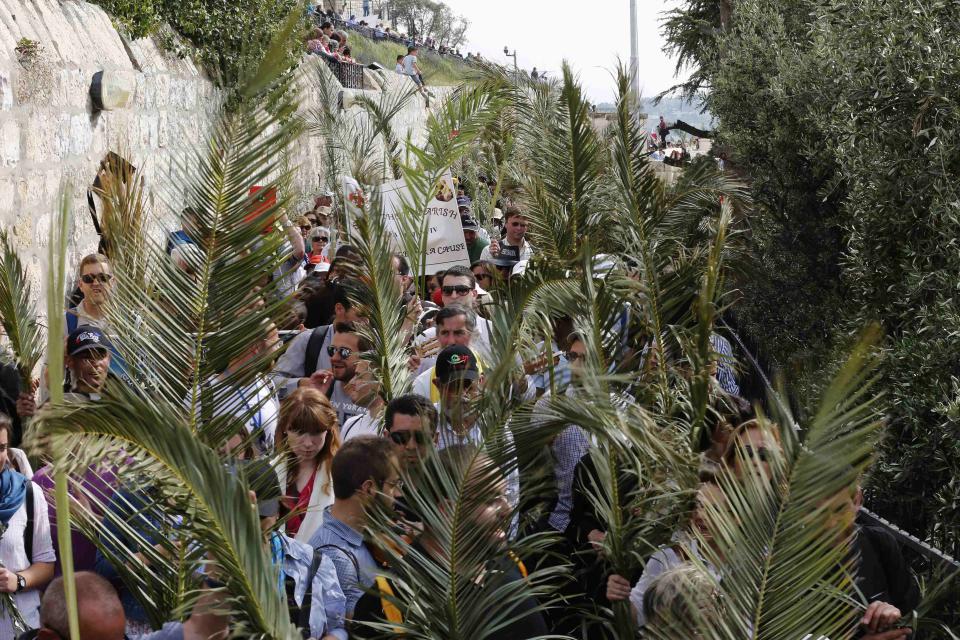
590 35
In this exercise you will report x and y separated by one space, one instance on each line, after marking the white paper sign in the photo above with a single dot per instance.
445 244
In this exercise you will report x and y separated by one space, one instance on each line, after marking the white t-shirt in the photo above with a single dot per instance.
408 62
399 67
15 558
257 403
361 425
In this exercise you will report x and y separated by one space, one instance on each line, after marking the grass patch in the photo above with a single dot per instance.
437 70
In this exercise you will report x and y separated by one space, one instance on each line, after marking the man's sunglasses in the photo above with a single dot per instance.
403 437
345 352
460 290
90 278
760 453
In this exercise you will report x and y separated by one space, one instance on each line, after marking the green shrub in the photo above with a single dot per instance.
226 36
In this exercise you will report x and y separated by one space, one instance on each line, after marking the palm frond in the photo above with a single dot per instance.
785 574
221 520
19 312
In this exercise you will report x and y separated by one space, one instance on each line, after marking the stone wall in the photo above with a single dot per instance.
50 134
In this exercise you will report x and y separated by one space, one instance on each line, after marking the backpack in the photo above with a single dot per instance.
314 345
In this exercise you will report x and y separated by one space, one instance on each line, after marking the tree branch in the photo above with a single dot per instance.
692 130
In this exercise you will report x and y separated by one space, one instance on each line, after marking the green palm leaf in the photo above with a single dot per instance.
18 312
221 520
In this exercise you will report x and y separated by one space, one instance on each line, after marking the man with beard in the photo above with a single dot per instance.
88 361
344 352
366 477
477 489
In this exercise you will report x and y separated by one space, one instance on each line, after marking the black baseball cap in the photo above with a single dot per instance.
469 224
86 338
508 257
457 362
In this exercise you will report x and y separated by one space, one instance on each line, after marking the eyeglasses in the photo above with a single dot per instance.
321 239
482 276
573 356
394 483
90 278
345 352
305 227
403 437
760 453
460 290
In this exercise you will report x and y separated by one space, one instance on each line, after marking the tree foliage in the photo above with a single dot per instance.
845 120
429 19
228 38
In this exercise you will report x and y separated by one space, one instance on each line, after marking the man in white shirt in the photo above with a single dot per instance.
459 287
455 324
514 245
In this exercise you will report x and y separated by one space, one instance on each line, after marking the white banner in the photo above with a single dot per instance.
445 244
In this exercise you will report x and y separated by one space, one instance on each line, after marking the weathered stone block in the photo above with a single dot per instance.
9 143
81 135
6 92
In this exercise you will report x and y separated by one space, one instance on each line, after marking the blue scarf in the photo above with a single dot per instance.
277 555
13 489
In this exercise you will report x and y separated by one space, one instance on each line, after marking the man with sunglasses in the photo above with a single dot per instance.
95 282
410 423
344 353
459 287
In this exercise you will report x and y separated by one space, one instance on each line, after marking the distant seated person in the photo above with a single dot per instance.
315 41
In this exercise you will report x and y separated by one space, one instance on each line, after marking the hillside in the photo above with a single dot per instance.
437 69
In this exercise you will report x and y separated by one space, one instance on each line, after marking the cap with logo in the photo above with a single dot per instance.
497 213
86 338
463 201
508 257
456 362
469 224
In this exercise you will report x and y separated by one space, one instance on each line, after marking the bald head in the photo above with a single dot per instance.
101 614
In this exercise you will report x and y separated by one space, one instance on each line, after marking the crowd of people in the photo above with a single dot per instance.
344 452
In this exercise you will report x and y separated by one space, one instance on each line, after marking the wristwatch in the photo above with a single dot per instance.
21 583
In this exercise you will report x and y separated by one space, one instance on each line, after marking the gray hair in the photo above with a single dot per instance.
681 596
454 310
